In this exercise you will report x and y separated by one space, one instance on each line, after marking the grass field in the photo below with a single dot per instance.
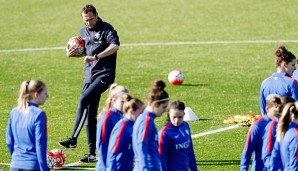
224 48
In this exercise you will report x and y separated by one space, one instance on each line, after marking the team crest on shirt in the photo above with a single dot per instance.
96 36
275 78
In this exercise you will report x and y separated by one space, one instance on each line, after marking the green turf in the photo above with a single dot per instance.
220 79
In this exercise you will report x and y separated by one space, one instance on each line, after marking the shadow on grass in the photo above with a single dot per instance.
190 85
218 162
204 119
76 168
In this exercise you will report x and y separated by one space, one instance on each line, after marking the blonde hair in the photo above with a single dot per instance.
27 89
286 117
115 91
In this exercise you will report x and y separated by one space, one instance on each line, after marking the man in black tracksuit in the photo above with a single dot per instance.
101 45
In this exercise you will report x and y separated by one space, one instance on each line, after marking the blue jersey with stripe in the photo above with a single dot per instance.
120 152
269 138
105 126
289 148
175 148
26 138
253 145
145 143
279 83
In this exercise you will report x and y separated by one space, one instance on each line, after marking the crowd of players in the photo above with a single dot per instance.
127 138
125 135
273 139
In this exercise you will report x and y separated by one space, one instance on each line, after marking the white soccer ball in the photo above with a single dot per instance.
176 77
77 43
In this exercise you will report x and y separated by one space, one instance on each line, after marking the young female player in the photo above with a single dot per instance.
280 82
145 136
175 144
254 138
284 155
269 136
117 96
26 132
120 153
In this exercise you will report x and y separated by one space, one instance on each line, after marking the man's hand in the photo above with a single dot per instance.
89 59
72 52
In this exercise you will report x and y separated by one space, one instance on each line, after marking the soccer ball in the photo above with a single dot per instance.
176 77
55 158
77 43
50 160
59 156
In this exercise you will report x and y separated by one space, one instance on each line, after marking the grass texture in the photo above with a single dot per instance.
221 79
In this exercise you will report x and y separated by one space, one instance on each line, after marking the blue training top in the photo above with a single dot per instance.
279 83
175 148
288 148
145 143
97 40
26 138
295 74
105 126
120 153
269 138
253 144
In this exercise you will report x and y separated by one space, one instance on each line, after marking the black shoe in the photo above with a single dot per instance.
69 143
89 158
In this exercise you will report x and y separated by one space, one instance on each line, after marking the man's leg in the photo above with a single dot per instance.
100 85
81 116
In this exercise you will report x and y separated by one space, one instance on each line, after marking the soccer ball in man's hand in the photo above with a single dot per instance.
77 43
176 77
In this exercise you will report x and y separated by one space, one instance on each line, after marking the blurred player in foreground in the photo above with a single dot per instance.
26 132
120 152
254 138
117 96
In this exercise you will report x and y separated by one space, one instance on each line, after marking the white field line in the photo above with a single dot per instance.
73 164
214 131
163 44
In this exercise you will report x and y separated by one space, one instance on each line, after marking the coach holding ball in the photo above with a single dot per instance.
101 45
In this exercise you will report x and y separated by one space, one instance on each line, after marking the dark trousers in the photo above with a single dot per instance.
88 107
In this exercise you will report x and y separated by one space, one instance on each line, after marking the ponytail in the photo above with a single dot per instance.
158 94
285 120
